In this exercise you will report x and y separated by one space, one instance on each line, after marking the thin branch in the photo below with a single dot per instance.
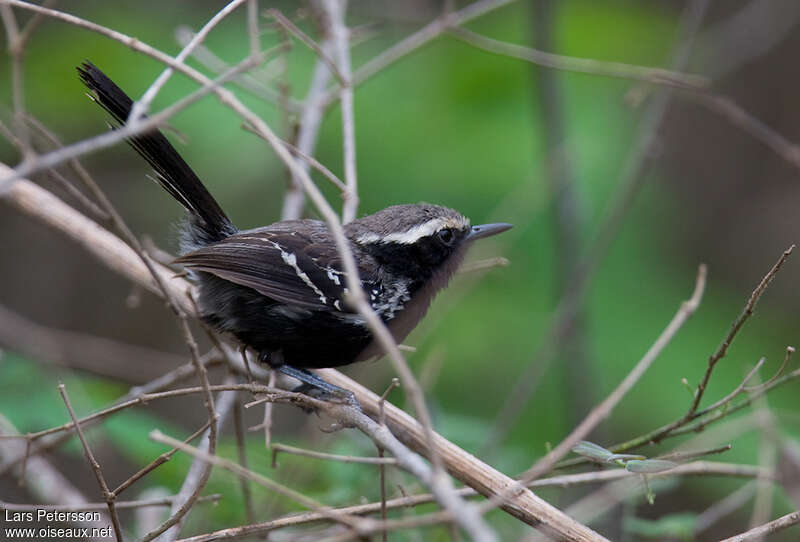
734 113
774 526
241 447
336 10
267 423
90 206
687 456
252 27
98 473
16 49
277 448
657 76
735 327
316 164
142 106
309 124
157 462
787 356
345 519
321 52
482 265
416 40
207 58
199 472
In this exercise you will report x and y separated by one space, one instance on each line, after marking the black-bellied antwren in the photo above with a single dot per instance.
280 289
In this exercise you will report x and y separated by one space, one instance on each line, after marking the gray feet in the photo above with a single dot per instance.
316 387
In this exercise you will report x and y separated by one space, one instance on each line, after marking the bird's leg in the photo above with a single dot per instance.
318 388
312 385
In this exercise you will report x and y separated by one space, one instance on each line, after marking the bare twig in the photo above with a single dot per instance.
142 106
336 10
482 265
199 472
787 356
735 327
240 471
417 40
241 445
252 27
327 173
321 52
773 526
750 124
16 49
248 82
157 462
70 188
267 423
658 76
98 473
382 469
310 121
687 456
276 448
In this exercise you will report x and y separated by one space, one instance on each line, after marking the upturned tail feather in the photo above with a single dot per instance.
207 221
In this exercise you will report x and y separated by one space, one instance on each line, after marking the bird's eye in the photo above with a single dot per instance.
446 236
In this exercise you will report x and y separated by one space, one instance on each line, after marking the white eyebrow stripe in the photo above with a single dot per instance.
416 233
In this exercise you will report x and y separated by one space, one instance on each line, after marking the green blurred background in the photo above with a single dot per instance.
453 125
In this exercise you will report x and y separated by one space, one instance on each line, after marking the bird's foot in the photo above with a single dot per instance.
316 387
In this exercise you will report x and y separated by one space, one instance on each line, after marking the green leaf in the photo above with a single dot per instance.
625 457
649 466
592 451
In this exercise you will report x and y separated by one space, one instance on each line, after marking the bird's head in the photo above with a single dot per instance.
417 239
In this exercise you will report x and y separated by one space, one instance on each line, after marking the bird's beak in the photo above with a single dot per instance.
485 230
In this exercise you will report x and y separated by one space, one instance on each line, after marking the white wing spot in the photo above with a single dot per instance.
333 277
291 260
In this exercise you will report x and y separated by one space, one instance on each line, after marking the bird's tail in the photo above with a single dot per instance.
207 221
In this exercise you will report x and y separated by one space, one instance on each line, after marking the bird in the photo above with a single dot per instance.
281 290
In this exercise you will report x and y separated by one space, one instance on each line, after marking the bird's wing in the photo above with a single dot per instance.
284 265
